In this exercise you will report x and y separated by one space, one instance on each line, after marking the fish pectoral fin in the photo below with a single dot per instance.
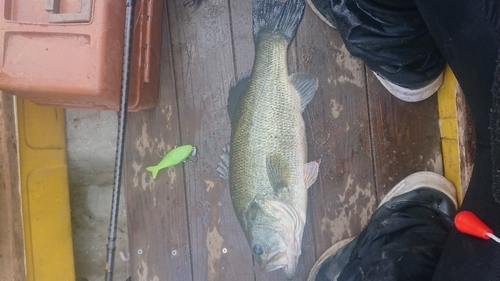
223 165
238 86
278 172
306 85
311 170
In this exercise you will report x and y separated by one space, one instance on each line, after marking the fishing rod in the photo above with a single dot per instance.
122 117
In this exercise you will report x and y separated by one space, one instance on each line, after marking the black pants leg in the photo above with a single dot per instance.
467 35
391 38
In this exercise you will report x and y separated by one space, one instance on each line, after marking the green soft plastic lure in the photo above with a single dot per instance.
173 157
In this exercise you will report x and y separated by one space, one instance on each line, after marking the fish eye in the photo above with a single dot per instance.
258 250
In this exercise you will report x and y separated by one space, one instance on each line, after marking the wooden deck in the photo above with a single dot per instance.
182 225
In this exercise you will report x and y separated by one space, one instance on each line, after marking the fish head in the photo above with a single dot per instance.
274 231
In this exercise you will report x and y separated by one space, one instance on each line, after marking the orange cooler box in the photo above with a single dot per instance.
69 53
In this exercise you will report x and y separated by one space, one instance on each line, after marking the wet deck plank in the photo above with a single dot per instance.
338 134
204 68
12 252
405 136
156 209
353 125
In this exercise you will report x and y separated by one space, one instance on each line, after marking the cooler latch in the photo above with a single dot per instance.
84 12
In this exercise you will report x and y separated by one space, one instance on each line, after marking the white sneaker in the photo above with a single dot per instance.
411 95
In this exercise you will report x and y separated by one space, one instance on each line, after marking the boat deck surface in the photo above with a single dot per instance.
182 225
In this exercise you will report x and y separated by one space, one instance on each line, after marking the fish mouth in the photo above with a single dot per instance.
276 260
270 268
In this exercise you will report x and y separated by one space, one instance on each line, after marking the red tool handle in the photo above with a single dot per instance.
469 223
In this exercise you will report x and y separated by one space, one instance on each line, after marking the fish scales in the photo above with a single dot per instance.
273 105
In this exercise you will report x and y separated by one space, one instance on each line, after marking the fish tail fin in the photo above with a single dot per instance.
154 170
277 17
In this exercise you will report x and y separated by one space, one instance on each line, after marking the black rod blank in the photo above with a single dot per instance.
122 117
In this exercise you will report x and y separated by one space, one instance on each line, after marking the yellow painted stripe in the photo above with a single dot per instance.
45 193
447 104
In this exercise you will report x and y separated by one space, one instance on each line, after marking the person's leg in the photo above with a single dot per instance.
468 35
404 238
391 38
495 131
402 41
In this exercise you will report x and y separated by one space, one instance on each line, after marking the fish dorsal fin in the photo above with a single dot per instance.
306 85
311 170
238 87
278 172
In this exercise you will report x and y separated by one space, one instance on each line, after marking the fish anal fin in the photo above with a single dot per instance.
311 170
306 85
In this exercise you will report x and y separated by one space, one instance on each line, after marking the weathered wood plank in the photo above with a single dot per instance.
339 134
466 139
242 35
204 67
12 259
156 209
406 136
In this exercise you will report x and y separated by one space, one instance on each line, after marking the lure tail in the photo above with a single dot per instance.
277 17
154 170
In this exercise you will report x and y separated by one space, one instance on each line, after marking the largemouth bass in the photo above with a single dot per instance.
268 173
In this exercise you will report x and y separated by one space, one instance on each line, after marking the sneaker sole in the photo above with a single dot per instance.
411 95
423 179
323 19
326 255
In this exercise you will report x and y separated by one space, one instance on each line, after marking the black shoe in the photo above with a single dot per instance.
323 10
392 40
403 239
